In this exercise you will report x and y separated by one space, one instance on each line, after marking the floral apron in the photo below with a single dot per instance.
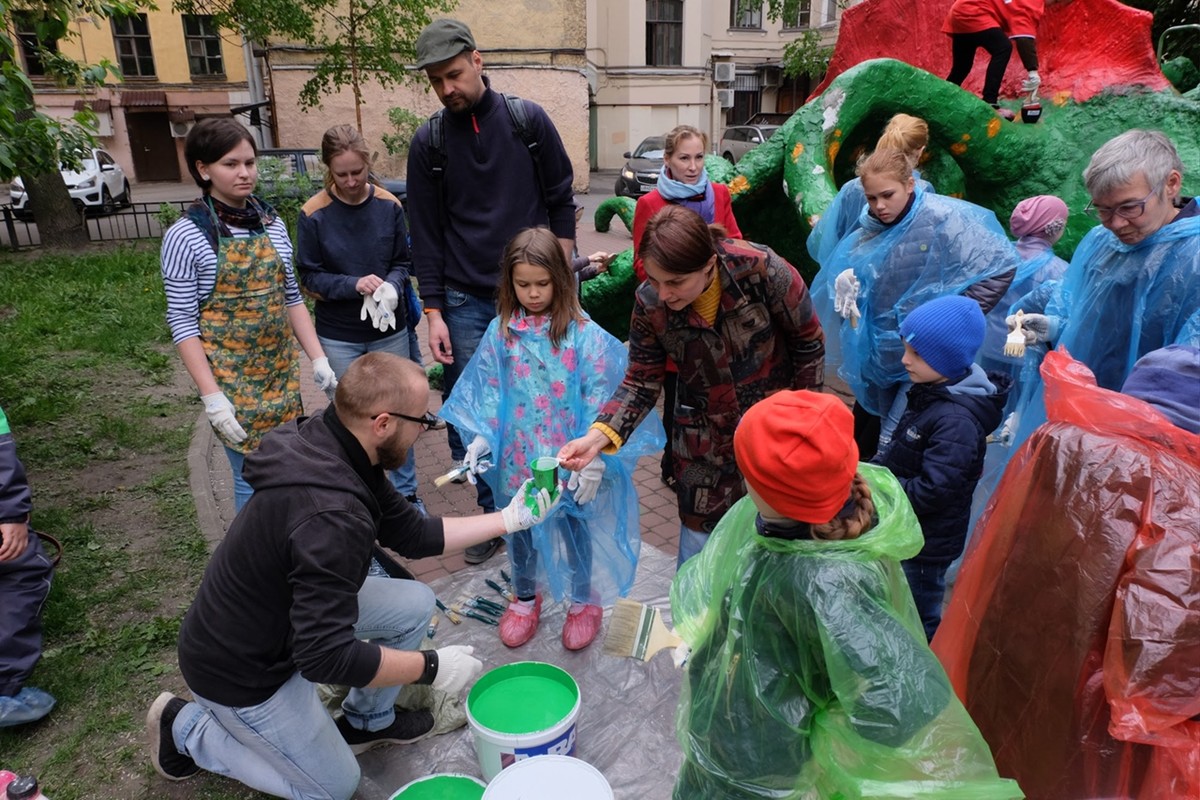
247 338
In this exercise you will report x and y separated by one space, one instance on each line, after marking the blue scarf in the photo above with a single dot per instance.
689 195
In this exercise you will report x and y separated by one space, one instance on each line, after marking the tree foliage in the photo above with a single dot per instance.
805 55
33 144
354 40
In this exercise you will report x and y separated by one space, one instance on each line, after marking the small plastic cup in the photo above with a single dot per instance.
545 476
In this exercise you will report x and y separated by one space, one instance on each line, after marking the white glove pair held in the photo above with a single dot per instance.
845 299
380 307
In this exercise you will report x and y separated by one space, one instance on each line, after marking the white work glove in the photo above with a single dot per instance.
1004 435
222 417
845 289
1037 327
370 310
386 299
517 515
476 450
586 482
456 668
323 375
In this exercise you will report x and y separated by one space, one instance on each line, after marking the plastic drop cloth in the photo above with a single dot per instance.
810 676
941 247
626 726
528 399
1073 633
842 218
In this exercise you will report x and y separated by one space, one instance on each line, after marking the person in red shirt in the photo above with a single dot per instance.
683 181
990 24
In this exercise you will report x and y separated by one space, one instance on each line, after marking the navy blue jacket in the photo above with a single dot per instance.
491 193
937 455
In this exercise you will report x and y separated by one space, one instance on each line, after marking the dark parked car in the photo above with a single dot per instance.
306 162
640 173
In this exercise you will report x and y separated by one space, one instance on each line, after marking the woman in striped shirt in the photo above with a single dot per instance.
232 299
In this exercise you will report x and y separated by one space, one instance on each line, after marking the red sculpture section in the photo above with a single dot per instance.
1084 46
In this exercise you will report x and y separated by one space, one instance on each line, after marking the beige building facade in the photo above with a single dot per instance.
655 64
534 49
175 69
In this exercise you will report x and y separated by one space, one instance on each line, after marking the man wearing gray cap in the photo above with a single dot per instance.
480 170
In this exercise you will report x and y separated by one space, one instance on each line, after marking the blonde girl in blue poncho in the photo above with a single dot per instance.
537 380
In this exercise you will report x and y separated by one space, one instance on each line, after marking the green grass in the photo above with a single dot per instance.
102 419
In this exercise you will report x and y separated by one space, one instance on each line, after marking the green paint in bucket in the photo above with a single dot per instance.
441 787
522 710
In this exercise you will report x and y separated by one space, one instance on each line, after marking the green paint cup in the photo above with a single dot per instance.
545 476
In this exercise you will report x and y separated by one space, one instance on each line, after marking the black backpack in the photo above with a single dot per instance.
437 147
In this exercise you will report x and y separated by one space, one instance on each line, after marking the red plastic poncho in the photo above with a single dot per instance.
1073 633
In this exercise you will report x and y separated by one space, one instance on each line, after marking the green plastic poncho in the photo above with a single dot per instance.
810 676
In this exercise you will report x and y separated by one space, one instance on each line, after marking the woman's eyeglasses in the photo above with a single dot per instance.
1125 210
428 421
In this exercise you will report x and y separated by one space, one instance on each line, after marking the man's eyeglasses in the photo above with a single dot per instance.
427 421
1125 210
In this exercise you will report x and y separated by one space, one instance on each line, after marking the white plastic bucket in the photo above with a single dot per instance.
549 778
445 786
522 710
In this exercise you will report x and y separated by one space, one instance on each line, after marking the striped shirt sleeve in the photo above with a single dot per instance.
189 271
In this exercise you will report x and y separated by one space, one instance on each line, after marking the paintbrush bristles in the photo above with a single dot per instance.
1014 345
637 631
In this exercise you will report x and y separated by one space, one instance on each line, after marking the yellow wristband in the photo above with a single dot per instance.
613 437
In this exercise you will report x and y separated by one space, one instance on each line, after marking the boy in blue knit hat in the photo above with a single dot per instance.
937 449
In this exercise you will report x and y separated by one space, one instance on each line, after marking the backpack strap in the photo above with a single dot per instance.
520 121
437 161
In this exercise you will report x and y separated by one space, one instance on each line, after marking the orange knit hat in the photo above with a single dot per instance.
797 451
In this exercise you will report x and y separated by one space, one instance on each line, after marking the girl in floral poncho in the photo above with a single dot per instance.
537 380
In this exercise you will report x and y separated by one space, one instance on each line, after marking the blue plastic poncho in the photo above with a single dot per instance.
940 247
1118 302
810 676
528 399
842 218
1039 274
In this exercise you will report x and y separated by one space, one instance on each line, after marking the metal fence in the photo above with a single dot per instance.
137 221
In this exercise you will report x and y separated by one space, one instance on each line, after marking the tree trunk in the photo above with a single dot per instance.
59 223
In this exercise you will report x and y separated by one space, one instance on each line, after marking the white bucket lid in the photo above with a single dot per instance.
549 778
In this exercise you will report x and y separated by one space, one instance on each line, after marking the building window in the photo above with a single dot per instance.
664 33
33 45
801 16
131 35
831 7
203 46
745 14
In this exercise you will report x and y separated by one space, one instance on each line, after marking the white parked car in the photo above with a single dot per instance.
738 140
99 185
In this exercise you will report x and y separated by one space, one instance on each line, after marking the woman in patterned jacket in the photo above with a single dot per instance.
738 321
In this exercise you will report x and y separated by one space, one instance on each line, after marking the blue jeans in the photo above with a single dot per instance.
577 541
241 489
691 542
342 354
928 584
467 317
288 745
